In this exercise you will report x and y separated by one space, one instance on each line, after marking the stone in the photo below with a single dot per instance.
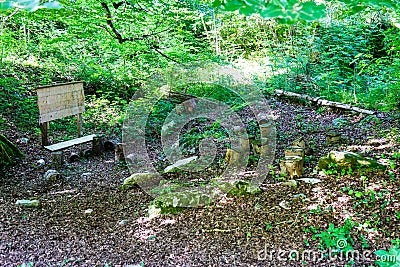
51 176
88 211
291 183
86 175
140 178
174 202
180 163
284 205
340 160
41 162
299 196
239 188
123 222
28 203
310 180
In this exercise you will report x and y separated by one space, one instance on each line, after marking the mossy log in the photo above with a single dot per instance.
322 102
9 152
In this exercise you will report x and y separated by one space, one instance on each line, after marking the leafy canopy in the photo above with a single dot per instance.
290 11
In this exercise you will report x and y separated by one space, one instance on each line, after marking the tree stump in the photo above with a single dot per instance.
294 151
119 153
73 157
57 159
109 145
97 145
292 166
266 129
234 157
299 142
333 138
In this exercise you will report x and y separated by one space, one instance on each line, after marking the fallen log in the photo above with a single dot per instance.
322 102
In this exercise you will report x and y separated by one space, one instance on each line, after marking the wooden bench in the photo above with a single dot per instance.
58 101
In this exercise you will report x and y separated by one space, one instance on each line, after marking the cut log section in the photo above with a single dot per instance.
119 153
333 138
234 157
266 129
97 145
294 151
57 159
292 166
323 102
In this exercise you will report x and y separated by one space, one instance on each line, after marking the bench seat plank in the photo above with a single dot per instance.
69 143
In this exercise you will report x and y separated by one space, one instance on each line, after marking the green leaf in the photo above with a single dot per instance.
272 11
248 10
310 11
254 2
233 5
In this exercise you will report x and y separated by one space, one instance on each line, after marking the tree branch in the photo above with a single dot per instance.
164 55
117 35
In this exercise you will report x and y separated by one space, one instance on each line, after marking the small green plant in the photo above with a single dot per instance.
29 264
337 237
396 242
268 227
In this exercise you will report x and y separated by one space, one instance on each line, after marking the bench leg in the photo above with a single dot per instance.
43 128
57 158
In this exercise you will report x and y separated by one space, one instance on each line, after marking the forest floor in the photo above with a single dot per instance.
87 219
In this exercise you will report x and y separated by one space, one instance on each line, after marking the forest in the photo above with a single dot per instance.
199 133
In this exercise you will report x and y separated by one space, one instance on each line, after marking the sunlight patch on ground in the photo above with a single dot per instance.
262 69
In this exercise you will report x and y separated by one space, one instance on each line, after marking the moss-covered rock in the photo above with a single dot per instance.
174 202
140 178
239 188
343 160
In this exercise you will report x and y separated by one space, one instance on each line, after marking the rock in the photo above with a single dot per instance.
310 180
284 205
88 211
123 222
299 195
86 175
51 176
340 160
239 188
153 211
291 183
140 178
179 163
28 203
183 199
41 162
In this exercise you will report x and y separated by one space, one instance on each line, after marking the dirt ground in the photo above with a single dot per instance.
87 219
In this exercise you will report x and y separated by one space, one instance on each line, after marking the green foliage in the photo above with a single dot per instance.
8 152
293 10
338 238
389 258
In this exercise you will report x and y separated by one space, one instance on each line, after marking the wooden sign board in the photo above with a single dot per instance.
61 100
